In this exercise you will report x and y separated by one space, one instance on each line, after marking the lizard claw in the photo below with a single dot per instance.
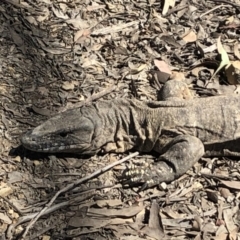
148 176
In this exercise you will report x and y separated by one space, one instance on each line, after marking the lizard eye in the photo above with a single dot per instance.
63 134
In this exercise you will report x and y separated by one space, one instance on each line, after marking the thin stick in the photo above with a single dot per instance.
95 96
237 6
213 9
114 29
72 185
176 9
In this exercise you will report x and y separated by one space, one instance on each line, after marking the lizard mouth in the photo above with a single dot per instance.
38 144
48 145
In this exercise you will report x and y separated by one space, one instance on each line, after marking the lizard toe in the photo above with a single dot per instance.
148 176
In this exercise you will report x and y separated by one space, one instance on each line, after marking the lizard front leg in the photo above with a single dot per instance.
178 156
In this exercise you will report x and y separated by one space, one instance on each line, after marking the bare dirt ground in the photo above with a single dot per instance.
56 54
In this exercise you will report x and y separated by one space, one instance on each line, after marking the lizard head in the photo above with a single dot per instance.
70 131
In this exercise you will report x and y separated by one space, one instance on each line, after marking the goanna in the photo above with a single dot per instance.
181 131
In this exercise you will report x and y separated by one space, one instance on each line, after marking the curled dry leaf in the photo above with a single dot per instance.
233 73
190 37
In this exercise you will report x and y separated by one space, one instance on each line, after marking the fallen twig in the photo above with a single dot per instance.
71 186
95 96
237 6
175 9
211 10
114 29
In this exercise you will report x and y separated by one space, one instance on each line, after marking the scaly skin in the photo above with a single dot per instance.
180 131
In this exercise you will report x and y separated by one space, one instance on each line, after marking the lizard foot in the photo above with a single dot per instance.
179 155
148 175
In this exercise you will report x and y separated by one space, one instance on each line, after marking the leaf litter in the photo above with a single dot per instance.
56 55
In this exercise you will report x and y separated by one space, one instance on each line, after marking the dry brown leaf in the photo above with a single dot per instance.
182 222
5 190
44 15
136 70
41 111
162 66
190 37
46 237
58 13
222 233
211 48
15 176
228 218
233 72
17 38
229 20
78 23
94 7
96 223
173 214
57 50
196 71
5 218
195 186
81 33
225 192
32 20
154 228
139 218
170 40
127 212
63 6
203 49
231 184
212 195
156 14
115 28
236 50
205 203
184 10
197 223
109 203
